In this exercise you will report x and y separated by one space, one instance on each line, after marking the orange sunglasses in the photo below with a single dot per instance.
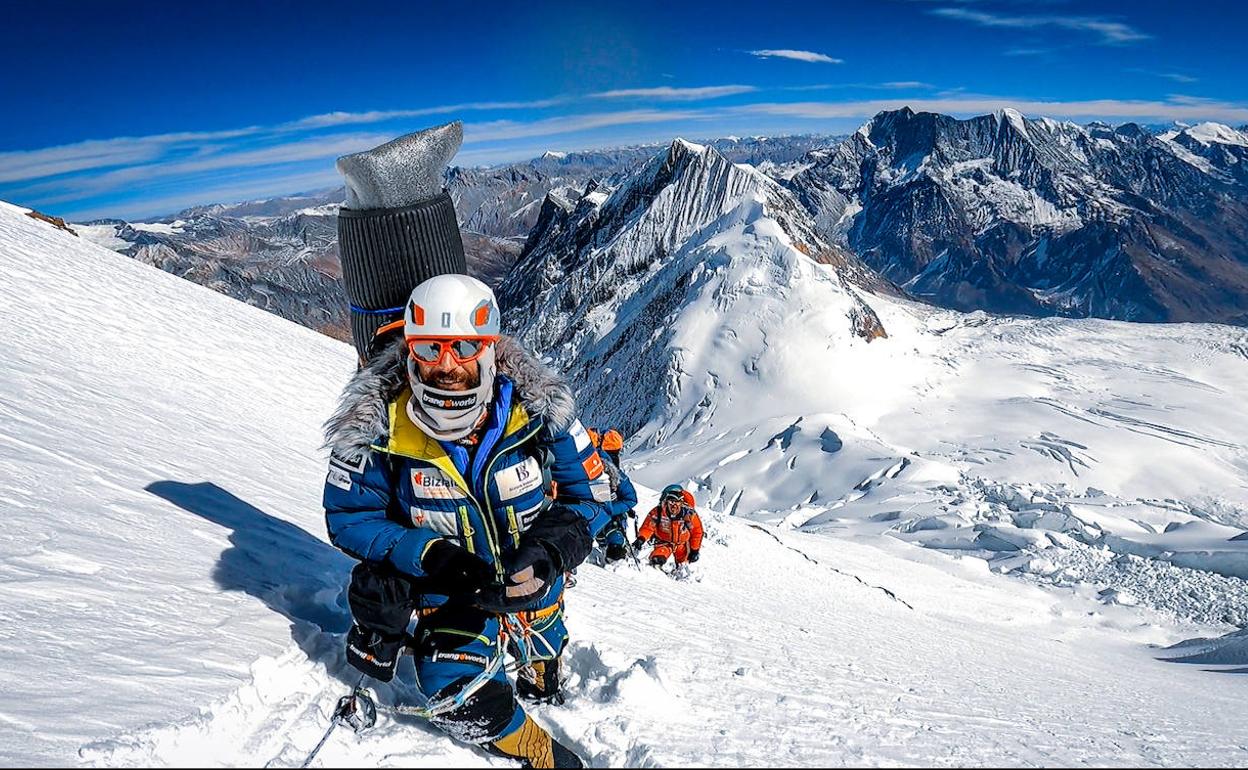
462 350
429 350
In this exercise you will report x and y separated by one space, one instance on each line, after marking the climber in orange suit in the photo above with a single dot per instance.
674 526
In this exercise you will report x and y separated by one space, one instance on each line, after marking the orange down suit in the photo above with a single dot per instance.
676 536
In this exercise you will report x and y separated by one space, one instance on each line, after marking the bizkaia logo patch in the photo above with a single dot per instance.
456 402
432 485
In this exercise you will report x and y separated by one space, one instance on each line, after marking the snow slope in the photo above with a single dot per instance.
169 597
125 604
1089 441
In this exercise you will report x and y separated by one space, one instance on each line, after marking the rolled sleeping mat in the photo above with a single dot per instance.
386 253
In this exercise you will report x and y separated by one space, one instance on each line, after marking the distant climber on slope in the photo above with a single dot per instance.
615 535
444 453
612 445
674 526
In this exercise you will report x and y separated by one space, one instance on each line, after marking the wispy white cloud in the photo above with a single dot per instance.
203 168
102 153
331 119
891 85
502 130
668 93
1110 32
789 53
167 150
1174 108
1024 51
1177 77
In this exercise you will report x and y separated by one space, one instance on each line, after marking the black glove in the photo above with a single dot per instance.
454 571
381 598
564 533
381 601
517 594
693 556
638 543
373 653
632 514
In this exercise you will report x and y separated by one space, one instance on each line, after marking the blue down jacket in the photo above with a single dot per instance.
392 490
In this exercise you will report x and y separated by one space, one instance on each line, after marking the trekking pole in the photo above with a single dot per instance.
628 543
632 552
356 710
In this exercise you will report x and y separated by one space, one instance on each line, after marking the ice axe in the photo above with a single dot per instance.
355 710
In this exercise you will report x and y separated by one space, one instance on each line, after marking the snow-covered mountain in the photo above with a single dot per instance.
1011 214
1214 148
281 254
285 262
170 599
695 308
603 281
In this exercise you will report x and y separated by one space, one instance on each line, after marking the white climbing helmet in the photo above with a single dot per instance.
457 316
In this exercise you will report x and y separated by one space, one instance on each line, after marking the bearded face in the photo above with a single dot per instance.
449 375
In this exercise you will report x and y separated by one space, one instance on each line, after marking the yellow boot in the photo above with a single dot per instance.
535 748
539 682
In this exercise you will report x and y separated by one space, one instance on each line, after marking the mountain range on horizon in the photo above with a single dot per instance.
998 212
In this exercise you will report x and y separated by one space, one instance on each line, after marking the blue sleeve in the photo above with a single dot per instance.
577 469
625 496
581 508
357 498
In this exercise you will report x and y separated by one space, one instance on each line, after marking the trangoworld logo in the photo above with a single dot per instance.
462 657
457 402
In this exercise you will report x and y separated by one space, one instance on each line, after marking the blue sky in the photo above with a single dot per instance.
139 109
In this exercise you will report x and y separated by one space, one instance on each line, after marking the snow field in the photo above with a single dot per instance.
170 598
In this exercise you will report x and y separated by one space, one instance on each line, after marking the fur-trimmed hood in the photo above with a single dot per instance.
363 418
613 475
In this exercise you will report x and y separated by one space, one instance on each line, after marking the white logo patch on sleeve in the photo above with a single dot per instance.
518 479
355 465
442 522
339 478
601 489
579 435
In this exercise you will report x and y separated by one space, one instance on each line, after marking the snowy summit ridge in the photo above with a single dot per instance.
604 283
